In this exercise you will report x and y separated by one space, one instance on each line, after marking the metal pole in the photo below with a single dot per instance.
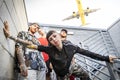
112 72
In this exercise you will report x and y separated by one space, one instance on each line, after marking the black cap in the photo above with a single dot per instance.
65 30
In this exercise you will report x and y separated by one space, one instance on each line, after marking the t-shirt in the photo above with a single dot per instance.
33 56
44 42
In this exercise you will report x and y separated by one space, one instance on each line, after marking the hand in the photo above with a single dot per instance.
23 70
32 46
6 29
111 58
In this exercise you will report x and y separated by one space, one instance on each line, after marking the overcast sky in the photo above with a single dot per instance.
53 11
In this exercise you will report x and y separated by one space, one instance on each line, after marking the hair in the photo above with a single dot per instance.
65 30
29 24
49 34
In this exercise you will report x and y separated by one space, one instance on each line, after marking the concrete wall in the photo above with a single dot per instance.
14 12
114 32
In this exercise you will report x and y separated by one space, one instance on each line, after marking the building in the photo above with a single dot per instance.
97 40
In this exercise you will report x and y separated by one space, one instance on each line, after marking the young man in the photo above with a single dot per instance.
61 53
63 34
30 62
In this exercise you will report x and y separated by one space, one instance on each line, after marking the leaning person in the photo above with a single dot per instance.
29 62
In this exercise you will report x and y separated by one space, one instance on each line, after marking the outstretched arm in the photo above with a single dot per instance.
96 56
7 35
24 42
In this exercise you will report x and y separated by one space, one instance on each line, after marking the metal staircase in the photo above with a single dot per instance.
100 43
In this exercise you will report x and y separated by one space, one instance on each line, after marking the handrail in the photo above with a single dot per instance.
92 67
115 61
92 43
91 73
92 60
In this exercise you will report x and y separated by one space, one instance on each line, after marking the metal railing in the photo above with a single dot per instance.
113 71
100 43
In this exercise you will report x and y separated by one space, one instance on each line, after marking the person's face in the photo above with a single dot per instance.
63 34
41 31
55 39
34 28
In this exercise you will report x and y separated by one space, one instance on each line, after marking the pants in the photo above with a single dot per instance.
33 75
53 75
77 71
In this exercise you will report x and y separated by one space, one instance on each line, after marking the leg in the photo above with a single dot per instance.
32 75
20 77
80 73
48 76
41 75
60 78
53 75
49 70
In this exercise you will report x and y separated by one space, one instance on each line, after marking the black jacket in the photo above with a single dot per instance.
61 60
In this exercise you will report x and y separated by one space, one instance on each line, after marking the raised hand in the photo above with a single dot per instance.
6 29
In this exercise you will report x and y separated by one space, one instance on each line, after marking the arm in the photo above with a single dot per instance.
24 42
18 50
21 61
7 35
42 48
95 55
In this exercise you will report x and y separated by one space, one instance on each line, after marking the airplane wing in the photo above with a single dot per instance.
74 15
87 11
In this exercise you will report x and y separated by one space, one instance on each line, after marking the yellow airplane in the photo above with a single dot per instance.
81 13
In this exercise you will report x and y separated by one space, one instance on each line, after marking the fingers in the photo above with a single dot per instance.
6 26
6 33
111 58
32 46
24 71
6 29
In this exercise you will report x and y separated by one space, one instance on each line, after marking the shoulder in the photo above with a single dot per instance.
22 34
69 44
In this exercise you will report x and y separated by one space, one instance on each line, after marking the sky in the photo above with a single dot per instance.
53 11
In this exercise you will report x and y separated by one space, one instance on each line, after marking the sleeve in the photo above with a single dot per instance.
19 53
45 49
92 54
21 35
